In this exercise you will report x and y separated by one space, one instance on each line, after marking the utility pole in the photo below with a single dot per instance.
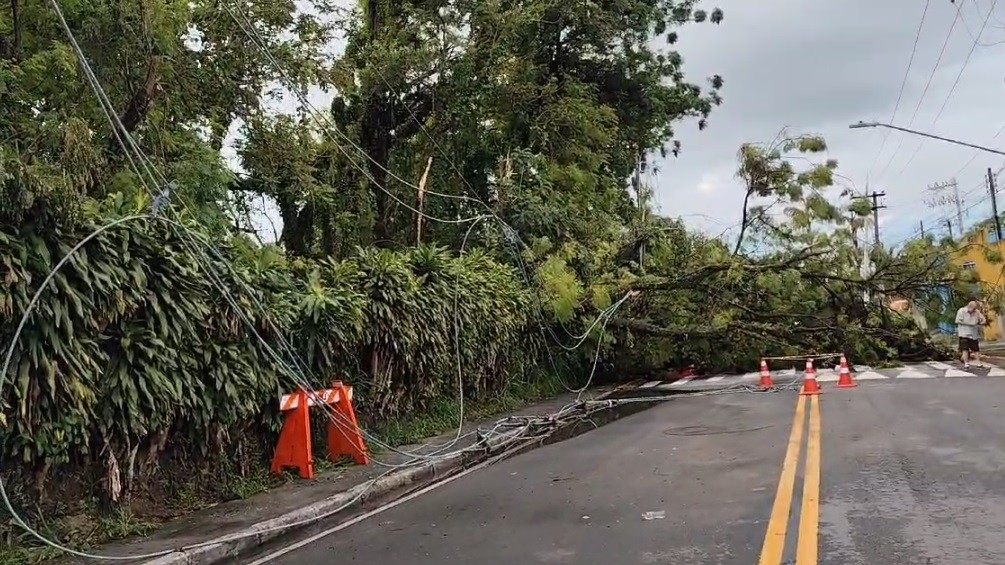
944 194
876 207
994 203
921 226
949 225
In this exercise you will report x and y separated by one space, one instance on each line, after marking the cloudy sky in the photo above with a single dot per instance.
817 67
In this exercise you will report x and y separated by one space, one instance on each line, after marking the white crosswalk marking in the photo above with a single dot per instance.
827 376
926 370
912 374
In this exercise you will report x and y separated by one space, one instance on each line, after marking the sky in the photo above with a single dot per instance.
815 68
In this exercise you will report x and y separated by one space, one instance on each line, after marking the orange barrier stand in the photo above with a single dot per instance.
344 435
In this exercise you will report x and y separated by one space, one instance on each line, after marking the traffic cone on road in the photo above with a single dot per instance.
845 379
810 385
766 381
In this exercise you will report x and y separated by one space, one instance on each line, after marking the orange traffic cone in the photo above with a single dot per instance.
844 379
766 381
810 385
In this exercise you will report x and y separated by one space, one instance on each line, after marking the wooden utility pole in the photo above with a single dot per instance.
876 207
994 203
949 226
921 226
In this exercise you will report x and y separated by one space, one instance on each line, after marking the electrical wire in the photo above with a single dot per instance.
976 153
5 367
948 216
259 42
976 38
924 92
903 85
149 170
303 383
952 89
146 172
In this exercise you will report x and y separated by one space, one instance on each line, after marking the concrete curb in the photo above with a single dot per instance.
388 487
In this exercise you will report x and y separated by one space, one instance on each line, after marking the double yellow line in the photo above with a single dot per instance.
809 517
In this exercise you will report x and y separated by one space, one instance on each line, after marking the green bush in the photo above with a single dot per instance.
132 349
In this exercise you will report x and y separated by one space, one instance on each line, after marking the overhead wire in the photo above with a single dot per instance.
976 38
924 92
286 346
148 174
903 85
145 173
952 89
976 153
301 368
950 215
247 26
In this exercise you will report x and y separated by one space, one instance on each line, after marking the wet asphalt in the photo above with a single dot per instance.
911 473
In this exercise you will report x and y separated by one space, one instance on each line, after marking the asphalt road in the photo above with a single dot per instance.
906 471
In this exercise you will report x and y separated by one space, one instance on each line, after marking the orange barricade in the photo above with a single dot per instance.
344 435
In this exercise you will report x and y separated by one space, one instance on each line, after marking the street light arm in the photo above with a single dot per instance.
921 133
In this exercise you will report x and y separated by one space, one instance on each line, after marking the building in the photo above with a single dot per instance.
982 252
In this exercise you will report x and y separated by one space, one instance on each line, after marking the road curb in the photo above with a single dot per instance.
391 486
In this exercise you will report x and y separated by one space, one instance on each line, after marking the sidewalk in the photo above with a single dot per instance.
304 501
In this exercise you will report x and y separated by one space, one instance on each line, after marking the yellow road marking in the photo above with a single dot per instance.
809 518
774 540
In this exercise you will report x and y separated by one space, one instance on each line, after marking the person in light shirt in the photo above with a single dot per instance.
969 320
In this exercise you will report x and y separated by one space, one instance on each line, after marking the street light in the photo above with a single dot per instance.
940 138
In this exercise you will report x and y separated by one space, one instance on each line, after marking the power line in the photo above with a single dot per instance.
974 156
978 36
956 82
903 85
941 219
924 92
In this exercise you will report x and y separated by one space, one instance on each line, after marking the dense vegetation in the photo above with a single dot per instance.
516 127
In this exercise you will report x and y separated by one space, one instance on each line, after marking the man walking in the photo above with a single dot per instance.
969 320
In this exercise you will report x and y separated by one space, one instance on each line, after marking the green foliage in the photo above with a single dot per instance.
131 347
177 73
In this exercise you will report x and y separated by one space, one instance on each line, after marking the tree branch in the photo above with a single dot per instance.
139 104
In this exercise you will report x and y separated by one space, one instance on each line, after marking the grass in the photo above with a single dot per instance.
86 530
89 528
444 414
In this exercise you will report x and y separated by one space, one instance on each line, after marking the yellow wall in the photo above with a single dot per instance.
987 272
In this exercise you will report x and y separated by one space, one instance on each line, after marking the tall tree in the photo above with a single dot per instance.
177 75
